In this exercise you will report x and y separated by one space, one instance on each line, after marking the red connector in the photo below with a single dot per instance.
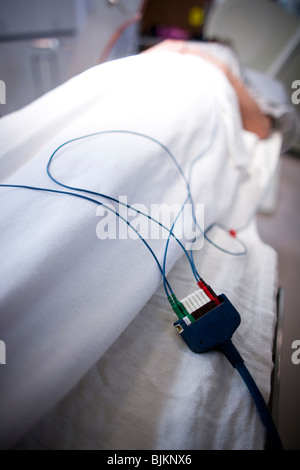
208 291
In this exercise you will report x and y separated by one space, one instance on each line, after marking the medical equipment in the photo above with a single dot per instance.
211 328
206 321
77 280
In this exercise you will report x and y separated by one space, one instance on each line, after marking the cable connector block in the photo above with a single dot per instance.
214 326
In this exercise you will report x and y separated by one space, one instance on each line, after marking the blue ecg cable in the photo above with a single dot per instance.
56 191
167 287
169 153
180 170
189 196
235 359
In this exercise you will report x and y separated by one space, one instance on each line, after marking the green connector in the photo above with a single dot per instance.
179 309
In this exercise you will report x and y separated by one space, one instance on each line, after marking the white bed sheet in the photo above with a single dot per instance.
66 297
149 391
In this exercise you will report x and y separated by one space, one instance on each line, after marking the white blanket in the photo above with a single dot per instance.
65 295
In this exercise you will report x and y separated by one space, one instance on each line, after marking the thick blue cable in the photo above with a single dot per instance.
236 360
261 407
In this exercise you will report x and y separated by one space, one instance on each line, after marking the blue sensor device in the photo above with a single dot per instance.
211 328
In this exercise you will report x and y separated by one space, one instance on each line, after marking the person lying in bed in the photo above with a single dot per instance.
253 118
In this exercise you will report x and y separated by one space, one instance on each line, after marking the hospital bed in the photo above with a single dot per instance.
93 359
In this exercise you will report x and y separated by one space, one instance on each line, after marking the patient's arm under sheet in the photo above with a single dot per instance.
254 120
65 295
